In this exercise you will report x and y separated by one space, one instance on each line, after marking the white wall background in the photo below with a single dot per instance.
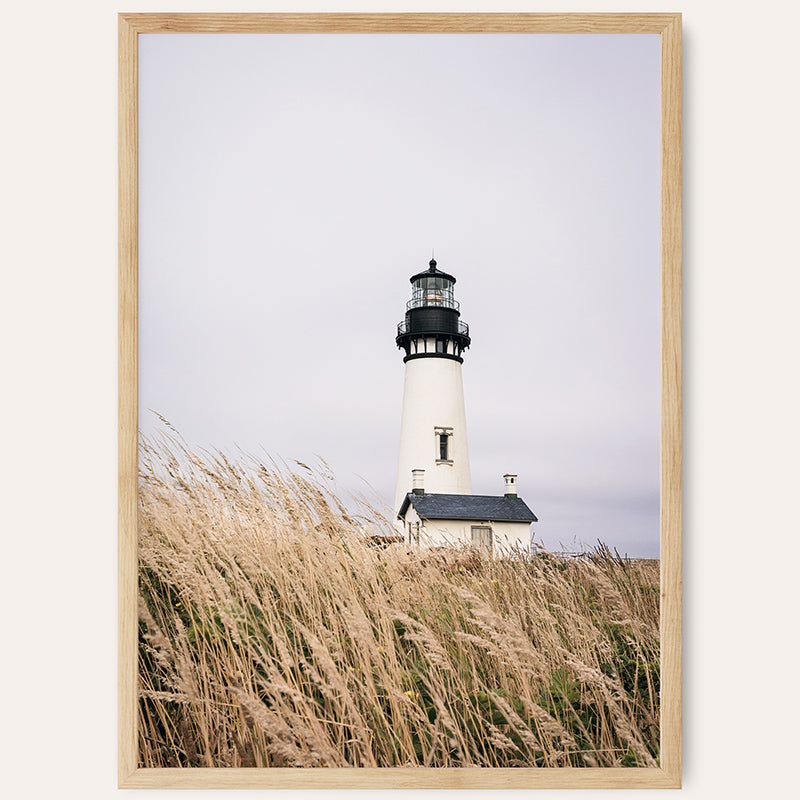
58 404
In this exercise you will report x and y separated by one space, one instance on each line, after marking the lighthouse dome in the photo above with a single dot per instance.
432 272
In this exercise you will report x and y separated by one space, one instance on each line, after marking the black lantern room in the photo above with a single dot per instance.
432 327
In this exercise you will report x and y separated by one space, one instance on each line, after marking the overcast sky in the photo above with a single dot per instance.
291 184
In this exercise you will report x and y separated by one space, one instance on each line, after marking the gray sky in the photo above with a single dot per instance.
291 184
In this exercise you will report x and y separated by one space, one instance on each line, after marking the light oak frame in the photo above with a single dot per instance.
668 775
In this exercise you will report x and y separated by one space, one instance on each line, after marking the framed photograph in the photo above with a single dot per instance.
399 400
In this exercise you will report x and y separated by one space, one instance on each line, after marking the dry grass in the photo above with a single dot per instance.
272 634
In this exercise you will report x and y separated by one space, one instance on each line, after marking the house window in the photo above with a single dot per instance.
413 533
481 535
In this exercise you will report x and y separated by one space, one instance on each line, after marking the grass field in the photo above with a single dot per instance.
273 634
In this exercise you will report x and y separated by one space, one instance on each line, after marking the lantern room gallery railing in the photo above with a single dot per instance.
434 299
404 328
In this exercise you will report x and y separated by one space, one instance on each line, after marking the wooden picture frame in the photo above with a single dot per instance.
668 774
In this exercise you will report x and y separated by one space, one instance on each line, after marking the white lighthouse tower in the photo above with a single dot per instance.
433 430
434 504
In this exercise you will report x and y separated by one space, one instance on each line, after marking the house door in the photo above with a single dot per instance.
481 535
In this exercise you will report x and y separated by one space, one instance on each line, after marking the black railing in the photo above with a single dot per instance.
437 301
404 328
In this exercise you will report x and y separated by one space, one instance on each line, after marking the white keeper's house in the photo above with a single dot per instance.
434 501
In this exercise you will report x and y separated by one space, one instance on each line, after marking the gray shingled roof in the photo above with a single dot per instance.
484 508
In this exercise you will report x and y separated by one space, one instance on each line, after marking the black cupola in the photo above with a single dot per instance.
432 328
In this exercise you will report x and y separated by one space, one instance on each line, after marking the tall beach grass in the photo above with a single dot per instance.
275 633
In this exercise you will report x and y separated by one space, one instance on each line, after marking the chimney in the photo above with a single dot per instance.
511 485
418 481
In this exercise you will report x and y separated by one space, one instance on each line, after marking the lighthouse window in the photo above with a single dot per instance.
444 452
440 345
432 292
447 293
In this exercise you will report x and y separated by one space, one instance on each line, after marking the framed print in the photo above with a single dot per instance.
400 400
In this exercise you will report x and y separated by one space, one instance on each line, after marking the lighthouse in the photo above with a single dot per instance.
434 503
433 427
